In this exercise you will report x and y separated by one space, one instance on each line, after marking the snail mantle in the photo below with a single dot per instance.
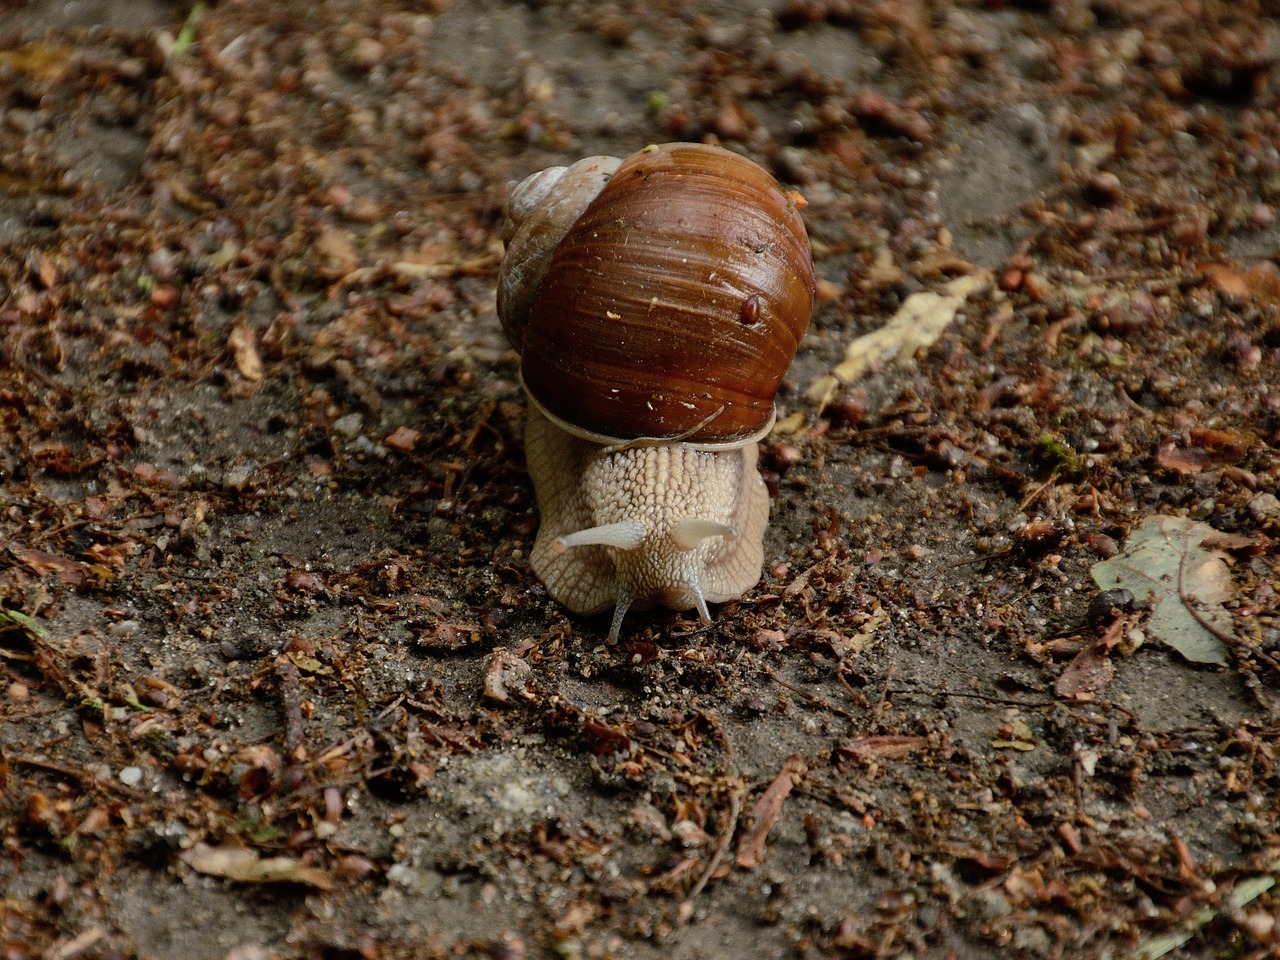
657 302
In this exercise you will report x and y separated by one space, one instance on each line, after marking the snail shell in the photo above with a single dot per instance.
671 303
540 212
657 302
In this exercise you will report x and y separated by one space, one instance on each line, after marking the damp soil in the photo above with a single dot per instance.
278 680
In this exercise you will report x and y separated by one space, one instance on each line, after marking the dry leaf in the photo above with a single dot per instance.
767 810
45 62
917 325
1208 448
309 664
1262 280
1016 735
889 746
244 347
506 675
1091 669
245 866
69 572
1165 561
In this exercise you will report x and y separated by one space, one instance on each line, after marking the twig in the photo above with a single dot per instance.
1008 551
767 810
984 697
884 693
855 695
685 911
83 777
1053 478
294 732
722 848
811 697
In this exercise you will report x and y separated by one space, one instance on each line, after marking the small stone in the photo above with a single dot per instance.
349 425
1264 505
1104 188
992 904
131 776
404 439
367 54
1033 940
403 875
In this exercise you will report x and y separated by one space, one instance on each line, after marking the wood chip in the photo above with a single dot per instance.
244 347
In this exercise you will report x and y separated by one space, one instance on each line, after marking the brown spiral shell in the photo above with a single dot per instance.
673 305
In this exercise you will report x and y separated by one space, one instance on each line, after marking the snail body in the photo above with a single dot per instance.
656 302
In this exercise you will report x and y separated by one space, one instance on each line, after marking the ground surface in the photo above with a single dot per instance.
251 618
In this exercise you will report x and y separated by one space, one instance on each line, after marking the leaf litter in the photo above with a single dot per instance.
1165 563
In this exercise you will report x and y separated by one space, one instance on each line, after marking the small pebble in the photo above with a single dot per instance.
1264 505
131 776
349 426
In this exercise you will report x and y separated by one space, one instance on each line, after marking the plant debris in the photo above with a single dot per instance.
917 325
245 866
1165 563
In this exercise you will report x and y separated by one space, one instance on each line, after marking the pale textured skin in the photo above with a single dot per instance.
580 485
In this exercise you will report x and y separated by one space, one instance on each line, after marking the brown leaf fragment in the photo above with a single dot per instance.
1229 445
605 740
450 637
1208 447
42 61
1182 459
336 250
155 692
1233 280
575 919
886 747
1091 669
47 271
767 810
1237 543
404 439
69 572
243 343
304 581
245 866
506 676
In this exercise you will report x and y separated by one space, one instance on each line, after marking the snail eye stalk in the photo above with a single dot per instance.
625 535
691 531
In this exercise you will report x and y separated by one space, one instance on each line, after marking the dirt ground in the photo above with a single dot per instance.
278 679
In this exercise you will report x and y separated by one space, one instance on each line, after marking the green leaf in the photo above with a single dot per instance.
187 35
22 620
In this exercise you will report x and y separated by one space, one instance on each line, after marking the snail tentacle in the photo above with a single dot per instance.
625 596
688 533
700 602
625 535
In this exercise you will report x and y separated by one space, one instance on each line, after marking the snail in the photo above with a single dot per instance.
656 303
